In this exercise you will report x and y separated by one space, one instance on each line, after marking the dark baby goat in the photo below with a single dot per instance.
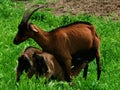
38 63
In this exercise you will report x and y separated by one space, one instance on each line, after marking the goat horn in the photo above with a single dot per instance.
28 13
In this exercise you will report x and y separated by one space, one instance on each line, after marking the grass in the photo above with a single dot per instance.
107 29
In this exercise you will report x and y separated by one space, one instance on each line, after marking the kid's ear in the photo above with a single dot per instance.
40 60
34 28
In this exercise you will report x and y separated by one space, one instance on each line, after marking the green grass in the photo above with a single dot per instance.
107 29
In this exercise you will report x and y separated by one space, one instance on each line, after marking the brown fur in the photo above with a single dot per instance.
38 63
54 69
62 42
81 59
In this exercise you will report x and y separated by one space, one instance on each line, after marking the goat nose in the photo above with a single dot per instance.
15 41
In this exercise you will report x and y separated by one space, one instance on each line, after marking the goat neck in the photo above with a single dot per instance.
40 36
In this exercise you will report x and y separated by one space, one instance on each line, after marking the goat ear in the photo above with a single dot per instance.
39 59
33 28
40 62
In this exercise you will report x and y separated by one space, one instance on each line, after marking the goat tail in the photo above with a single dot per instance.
93 30
96 35
96 38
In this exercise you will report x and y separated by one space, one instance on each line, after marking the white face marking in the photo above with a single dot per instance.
35 30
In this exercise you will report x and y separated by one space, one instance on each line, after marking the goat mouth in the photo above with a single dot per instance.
16 42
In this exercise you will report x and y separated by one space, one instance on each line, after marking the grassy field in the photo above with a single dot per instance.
107 29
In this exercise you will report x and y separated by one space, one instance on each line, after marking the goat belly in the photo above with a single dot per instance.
80 41
83 55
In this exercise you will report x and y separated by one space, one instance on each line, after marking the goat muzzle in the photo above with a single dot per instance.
15 41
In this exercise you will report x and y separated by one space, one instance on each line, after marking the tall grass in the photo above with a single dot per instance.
107 29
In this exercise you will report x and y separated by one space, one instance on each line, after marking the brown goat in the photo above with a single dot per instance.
34 61
61 42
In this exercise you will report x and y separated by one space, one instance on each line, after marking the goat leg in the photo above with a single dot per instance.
85 71
98 64
67 69
18 76
76 69
66 66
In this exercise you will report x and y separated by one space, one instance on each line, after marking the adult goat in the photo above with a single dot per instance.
61 42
